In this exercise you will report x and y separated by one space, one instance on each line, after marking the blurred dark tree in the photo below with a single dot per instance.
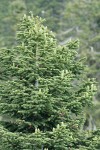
11 12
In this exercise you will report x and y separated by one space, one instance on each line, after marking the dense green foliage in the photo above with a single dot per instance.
43 93
69 19
83 17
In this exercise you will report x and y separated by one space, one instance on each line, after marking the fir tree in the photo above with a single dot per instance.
43 93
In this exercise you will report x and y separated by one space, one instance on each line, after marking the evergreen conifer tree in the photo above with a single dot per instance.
43 93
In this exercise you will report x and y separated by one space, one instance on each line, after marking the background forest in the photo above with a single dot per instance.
76 24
